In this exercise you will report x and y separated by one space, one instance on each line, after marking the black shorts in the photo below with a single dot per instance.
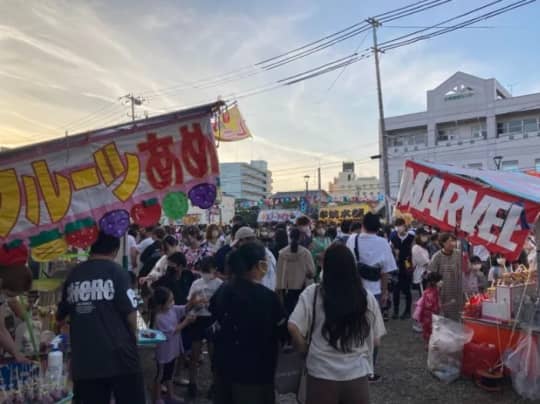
198 330
126 389
165 371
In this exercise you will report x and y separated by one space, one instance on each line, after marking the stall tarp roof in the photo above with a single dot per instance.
514 183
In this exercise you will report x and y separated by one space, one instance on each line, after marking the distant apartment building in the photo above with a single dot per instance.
348 186
246 181
470 122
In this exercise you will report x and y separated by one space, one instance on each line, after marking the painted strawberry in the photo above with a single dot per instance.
13 253
47 245
81 233
147 213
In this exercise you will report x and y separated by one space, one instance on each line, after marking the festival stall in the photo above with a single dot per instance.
499 211
336 214
56 196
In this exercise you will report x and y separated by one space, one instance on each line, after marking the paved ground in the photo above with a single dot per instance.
406 380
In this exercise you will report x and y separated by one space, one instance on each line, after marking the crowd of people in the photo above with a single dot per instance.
245 293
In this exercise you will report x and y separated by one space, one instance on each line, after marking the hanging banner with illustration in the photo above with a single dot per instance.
461 201
344 212
230 126
278 215
62 192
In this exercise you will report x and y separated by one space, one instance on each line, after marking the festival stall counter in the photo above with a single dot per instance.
59 194
498 210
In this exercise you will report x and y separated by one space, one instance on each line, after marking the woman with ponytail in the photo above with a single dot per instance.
250 322
348 326
295 271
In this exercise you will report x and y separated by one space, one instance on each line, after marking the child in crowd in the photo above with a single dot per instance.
498 267
200 294
170 320
429 303
474 281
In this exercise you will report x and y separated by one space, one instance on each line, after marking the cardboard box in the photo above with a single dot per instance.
496 310
513 295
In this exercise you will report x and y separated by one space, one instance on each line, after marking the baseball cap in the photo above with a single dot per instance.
243 233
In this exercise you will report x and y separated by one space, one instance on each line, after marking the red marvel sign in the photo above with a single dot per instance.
485 216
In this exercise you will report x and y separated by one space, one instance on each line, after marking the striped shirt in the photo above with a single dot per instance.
449 266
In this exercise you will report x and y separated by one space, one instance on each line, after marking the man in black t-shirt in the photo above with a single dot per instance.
103 324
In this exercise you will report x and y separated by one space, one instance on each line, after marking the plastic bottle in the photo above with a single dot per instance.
55 361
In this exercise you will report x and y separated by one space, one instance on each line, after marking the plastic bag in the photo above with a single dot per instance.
446 348
417 314
524 365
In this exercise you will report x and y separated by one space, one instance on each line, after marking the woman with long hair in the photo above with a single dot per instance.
295 269
250 323
348 325
281 240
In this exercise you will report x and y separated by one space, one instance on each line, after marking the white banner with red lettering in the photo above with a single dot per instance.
498 220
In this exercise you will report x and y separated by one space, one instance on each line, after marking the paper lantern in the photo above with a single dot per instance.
47 246
13 253
203 195
115 223
81 233
147 213
175 205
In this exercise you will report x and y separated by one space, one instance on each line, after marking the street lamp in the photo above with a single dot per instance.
306 179
498 160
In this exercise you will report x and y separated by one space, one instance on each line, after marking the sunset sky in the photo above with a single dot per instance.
63 65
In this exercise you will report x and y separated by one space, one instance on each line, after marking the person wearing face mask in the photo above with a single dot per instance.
169 247
420 258
447 262
320 243
213 239
194 250
402 242
201 292
474 280
497 269
251 322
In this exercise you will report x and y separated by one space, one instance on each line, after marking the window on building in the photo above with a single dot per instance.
420 139
399 175
501 128
510 165
515 126
530 125
537 165
475 166
479 132
442 136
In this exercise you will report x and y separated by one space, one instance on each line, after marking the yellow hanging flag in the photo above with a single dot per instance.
230 126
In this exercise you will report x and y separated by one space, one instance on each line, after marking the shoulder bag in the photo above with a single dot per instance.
291 372
368 272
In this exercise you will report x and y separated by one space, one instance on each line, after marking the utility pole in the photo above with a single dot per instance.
382 128
133 101
319 183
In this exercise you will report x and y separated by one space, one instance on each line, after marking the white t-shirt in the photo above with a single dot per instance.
373 251
481 252
325 362
269 279
130 244
206 290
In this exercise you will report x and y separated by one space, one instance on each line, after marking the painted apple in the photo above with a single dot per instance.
147 213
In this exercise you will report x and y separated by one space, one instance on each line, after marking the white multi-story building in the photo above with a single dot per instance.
348 186
470 122
250 182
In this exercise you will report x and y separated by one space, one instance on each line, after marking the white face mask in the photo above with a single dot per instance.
501 261
476 267
207 277
321 232
215 234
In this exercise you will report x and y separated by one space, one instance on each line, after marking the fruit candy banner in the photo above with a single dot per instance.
278 215
468 202
62 192
344 212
